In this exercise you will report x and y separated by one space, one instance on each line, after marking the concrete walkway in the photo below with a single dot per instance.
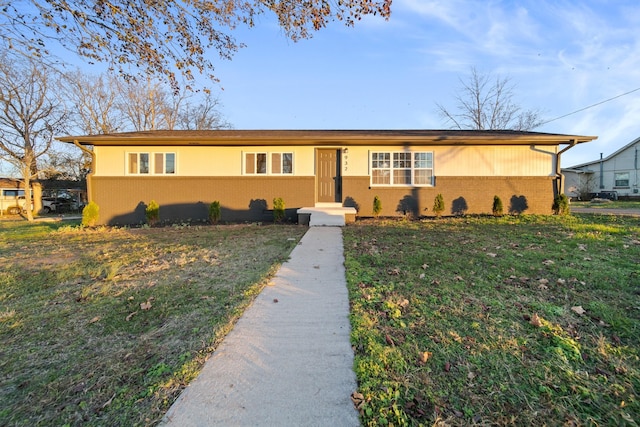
288 361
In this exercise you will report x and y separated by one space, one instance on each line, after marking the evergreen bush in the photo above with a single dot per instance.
377 206
438 205
560 205
497 209
152 212
214 212
278 209
90 214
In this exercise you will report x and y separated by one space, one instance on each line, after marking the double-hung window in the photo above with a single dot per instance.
402 168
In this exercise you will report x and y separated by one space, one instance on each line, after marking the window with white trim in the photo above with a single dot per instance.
164 163
402 168
268 163
151 163
621 179
282 163
255 163
138 163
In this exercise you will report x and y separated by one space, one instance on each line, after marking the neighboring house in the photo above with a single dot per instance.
619 172
184 171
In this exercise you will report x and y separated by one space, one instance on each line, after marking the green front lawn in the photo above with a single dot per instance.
496 321
105 327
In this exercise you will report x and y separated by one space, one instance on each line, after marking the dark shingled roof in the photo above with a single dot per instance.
326 137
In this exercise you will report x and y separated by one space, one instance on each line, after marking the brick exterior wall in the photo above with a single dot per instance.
462 195
122 200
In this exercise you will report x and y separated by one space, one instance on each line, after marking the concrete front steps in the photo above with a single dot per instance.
326 215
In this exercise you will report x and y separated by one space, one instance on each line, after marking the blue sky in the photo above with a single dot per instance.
561 55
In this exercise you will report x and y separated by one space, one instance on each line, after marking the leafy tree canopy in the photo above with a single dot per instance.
163 37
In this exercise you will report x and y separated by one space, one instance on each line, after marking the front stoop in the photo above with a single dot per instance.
326 215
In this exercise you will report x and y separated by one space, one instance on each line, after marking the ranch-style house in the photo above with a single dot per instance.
184 171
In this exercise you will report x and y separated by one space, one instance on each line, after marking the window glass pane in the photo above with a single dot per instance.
381 176
380 160
144 162
261 163
250 163
133 163
276 163
422 177
401 160
402 176
158 160
170 163
622 179
287 163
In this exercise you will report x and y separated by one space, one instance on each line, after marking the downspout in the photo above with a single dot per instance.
559 177
601 172
93 167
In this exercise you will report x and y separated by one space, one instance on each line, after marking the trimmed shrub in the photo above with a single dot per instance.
438 205
560 205
497 209
152 212
377 206
214 212
90 214
278 209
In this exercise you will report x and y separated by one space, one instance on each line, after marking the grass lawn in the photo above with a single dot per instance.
496 321
618 204
105 327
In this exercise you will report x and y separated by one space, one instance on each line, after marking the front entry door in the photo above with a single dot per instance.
328 171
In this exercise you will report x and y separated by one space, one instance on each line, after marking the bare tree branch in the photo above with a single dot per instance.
482 103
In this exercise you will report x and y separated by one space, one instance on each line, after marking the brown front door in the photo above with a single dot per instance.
328 171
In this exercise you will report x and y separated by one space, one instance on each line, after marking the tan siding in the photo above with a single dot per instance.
201 161
122 200
475 193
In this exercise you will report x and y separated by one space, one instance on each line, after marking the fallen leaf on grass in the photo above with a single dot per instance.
425 266
131 315
394 272
535 320
95 319
491 254
424 356
582 247
578 309
447 367
389 340
145 305
358 400
548 262
422 276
